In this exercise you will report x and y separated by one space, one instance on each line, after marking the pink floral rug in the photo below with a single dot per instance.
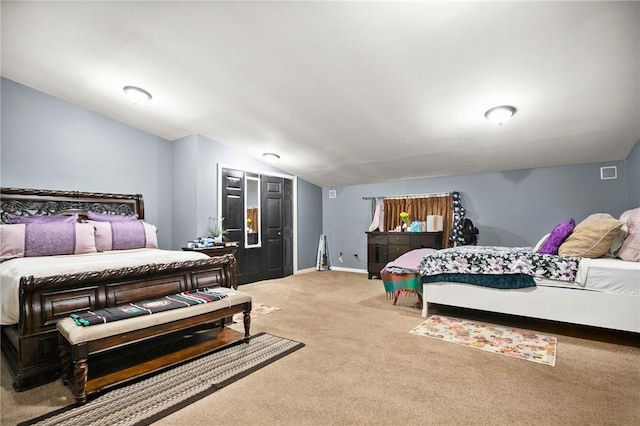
513 342
257 309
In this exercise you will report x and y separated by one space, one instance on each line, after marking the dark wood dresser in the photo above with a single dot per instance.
383 247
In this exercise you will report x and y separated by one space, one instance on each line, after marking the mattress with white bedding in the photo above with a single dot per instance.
44 266
603 275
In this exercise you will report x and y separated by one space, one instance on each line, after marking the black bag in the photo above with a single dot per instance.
470 233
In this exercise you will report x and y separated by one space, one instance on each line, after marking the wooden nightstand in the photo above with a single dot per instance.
214 251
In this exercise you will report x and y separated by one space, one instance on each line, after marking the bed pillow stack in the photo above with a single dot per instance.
28 236
122 232
42 238
593 237
557 237
104 217
630 249
73 218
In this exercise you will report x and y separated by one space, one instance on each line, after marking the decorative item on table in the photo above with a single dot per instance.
249 229
215 230
416 226
434 223
404 216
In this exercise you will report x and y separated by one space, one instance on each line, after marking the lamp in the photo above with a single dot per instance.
270 157
500 114
137 95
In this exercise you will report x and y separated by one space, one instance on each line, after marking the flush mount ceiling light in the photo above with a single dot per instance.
270 157
500 114
137 95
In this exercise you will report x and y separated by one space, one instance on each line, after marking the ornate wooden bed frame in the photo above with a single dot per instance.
31 346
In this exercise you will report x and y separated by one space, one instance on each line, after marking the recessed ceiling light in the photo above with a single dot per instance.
137 95
500 114
270 157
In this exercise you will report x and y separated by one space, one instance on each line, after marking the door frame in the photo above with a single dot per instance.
294 180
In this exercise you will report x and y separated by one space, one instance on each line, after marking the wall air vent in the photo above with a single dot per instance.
609 172
332 193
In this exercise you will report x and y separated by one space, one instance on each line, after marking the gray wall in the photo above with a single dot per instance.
633 176
511 209
53 144
309 223
211 153
184 193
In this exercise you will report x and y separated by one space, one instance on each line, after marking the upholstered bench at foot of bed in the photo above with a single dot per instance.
78 343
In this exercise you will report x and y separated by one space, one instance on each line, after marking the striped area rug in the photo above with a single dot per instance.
151 399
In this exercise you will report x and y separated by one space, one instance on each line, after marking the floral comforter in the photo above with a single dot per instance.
486 260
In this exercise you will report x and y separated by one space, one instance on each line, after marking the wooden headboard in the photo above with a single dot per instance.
45 202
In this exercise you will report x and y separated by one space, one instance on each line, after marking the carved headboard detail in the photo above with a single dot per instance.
44 202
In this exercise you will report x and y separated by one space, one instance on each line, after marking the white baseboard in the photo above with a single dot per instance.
341 269
333 268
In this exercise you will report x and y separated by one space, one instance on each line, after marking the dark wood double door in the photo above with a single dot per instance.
274 257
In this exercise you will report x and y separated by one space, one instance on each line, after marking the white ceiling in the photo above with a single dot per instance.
349 92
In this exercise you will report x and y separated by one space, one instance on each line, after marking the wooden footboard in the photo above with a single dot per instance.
30 347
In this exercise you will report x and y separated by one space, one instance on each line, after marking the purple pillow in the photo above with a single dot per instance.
101 217
124 235
557 237
42 219
45 239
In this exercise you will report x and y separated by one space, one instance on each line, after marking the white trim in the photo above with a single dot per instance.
605 169
244 169
295 224
342 269
305 271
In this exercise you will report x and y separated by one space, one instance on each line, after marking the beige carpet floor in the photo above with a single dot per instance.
361 365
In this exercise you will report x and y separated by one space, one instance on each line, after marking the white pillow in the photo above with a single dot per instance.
541 243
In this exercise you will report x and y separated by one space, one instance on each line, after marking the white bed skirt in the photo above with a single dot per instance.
592 308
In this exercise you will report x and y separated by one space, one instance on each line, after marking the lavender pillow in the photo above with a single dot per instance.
557 237
45 239
101 217
42 219
124 235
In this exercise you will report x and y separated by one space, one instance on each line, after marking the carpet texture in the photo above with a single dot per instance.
361 366
151 399
257 309
513 342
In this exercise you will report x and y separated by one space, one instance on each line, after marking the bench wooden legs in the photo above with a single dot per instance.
79 380
247 323
74 371
65 361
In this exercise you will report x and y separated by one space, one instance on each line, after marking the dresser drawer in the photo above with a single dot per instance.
396 250
400 238
433 240
377 239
